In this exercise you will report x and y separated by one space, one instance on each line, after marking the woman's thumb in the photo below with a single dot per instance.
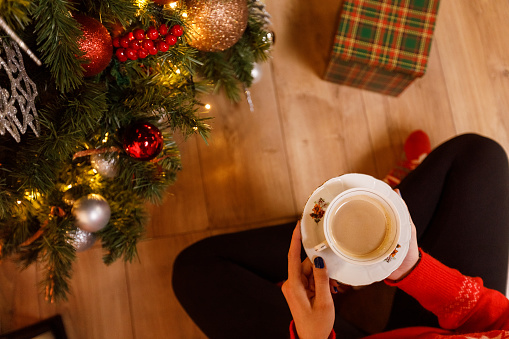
321 277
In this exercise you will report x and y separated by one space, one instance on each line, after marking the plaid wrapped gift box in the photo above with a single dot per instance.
382 45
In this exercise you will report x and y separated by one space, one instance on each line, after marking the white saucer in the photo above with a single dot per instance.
312 231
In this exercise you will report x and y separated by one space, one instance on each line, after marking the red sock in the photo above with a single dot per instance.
417 147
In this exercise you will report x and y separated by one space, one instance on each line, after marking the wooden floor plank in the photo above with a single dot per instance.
325 124
495 26
98 305
184 206
244 168
19 304
464 57
156 312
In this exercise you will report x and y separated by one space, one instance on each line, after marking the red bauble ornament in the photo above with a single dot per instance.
95 44
143 141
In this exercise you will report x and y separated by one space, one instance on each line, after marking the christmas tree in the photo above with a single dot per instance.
91 93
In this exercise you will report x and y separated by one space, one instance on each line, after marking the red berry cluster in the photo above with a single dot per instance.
139 44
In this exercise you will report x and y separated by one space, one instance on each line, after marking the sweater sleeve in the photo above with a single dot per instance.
461 303
293 332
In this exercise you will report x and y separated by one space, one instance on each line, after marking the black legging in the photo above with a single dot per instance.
459 201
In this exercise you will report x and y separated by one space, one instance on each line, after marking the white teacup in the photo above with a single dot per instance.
361 226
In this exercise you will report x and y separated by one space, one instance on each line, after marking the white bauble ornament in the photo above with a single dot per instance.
92 212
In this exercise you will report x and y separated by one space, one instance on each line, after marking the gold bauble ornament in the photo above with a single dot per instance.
216 25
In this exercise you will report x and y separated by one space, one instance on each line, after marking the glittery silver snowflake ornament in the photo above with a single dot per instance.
17 104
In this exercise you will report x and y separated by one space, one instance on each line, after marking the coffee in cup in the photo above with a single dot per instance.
361 226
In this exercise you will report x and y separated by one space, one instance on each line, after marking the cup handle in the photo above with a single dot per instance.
321 246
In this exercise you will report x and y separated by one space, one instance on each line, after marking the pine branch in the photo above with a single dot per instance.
256 32
161 93
57 36
68 122
112 11
215 67
58 254
16 13
84 109
153 183
149 180
5 201
33 172
14 231
125 228
242 59
153 13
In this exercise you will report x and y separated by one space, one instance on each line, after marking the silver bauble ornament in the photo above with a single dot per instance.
106 164
270 38
92 212
81 240
256 73
216 25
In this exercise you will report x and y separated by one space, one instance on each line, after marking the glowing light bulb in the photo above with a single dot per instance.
19 202
184 15
207 106
173 4
141 3
177 71
31 196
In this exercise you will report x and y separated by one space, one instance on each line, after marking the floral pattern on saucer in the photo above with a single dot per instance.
319 210
392 255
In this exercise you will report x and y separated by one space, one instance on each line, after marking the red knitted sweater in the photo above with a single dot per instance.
464 307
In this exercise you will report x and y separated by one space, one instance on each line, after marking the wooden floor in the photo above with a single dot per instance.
261 166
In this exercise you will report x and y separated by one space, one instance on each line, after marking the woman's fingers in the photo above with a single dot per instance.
322 288
294 264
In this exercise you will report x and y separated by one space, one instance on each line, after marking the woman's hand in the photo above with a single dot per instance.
308 293
412 257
